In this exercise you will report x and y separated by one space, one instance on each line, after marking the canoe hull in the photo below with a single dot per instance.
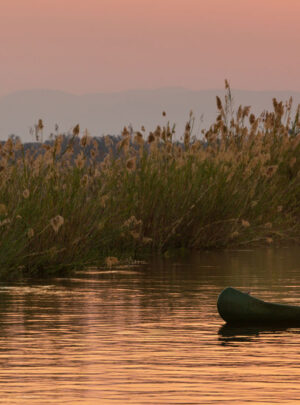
236 307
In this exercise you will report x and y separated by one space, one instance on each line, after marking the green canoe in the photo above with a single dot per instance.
236 307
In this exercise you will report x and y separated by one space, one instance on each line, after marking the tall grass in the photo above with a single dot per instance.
238 185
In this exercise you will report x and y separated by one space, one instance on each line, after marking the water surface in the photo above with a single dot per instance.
151 335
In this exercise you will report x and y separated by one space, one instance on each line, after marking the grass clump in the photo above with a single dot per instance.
239 184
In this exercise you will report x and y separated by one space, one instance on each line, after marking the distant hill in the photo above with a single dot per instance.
107 113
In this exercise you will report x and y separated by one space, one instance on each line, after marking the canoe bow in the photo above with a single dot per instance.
236 307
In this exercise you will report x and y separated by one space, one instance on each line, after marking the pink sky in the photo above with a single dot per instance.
110 45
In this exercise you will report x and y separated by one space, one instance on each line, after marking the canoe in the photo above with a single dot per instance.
236 307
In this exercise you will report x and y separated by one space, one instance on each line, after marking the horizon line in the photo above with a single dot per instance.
146 90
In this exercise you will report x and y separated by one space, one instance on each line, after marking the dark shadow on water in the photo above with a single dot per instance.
245 333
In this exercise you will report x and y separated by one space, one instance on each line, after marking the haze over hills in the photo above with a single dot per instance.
107 113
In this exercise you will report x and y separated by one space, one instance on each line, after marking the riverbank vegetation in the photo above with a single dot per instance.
236 184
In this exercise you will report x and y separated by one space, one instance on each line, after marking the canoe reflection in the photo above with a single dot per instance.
234 333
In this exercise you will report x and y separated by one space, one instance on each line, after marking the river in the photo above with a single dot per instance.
151 334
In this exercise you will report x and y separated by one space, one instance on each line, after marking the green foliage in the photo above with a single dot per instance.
61 207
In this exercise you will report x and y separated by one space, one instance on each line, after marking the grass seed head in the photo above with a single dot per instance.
56 223
124 144
30 233
234 234
147 241
271 170
111 261
40 125
151 138
252 119
125 132
76 130
5 221
80 161
131 164
219 103
86 139
84 181
245 223
138 139
26 193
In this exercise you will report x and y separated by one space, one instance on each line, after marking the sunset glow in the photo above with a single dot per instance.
149 202
111 45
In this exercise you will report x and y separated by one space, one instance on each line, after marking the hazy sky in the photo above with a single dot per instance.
109 45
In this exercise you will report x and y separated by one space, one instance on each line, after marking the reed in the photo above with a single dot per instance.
237 185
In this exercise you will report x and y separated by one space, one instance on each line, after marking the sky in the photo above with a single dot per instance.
84 46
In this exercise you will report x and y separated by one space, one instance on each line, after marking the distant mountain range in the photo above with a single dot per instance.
107 113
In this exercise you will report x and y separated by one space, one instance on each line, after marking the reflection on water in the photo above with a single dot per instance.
151 335
230 333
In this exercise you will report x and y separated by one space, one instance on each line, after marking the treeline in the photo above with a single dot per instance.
36 148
